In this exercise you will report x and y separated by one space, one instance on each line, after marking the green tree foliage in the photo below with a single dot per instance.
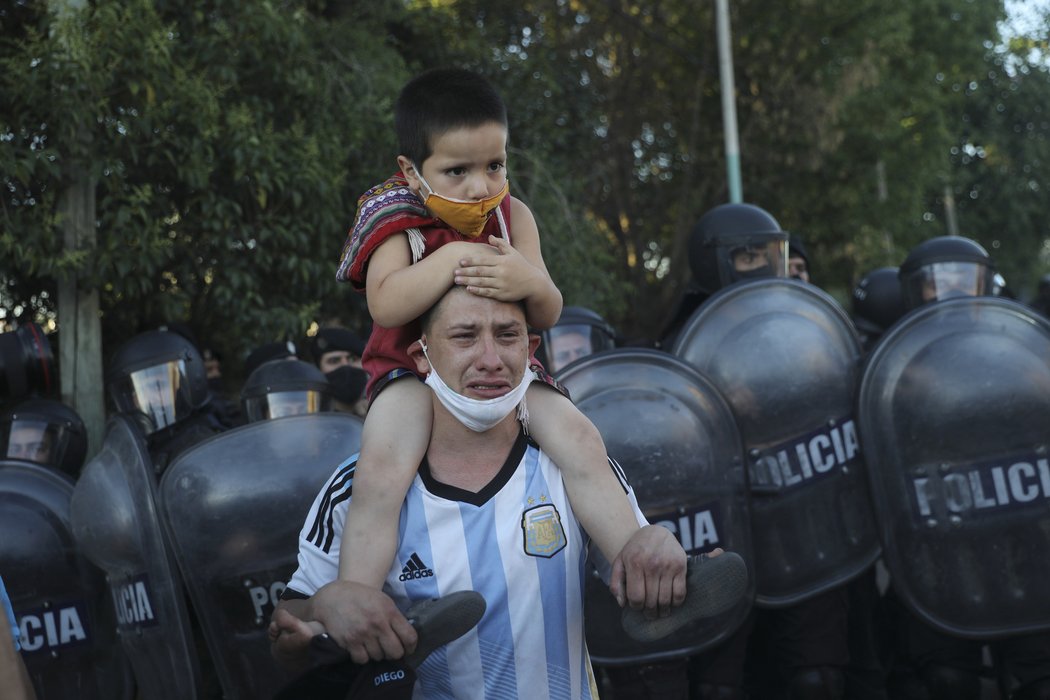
1001 160
844 107
230 141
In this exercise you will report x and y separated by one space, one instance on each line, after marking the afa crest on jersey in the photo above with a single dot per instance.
542 532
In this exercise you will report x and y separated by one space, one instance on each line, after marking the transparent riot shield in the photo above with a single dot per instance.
116 524
674 436
786 357
954 409
65 616
234 505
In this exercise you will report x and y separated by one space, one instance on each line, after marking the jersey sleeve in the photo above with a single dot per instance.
9 615
322 534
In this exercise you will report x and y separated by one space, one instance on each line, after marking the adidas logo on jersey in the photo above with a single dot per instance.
414 568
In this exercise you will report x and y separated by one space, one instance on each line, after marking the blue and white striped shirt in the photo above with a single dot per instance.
517 542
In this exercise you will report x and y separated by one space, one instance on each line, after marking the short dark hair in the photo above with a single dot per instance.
426 320
439 100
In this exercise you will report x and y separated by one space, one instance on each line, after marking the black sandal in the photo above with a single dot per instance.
713 585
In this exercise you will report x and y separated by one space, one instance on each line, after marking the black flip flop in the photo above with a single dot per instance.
713 585
437 621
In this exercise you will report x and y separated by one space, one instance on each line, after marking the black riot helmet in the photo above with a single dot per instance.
579 332
27 365
160 376
734 242
877 303
276 350
285 387
945 267
336 340
46 432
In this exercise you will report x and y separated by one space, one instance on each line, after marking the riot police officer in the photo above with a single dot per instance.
945 267
274 350
798 259
730 243
940 664
800 647
27 364
159 378
578 333
334 347
877 304
337 352
285 387
44 431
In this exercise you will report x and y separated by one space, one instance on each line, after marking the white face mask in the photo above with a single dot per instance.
479 414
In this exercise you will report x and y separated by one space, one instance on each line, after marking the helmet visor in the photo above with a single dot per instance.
285 403
32 440
161 393
753 258
569 342
944 280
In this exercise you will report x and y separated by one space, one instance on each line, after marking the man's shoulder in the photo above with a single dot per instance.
341 482
618 471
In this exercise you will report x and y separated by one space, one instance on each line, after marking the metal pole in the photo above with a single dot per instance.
949 211
725 73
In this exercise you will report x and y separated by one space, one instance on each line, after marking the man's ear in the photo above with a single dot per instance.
534 342
415 353
409 171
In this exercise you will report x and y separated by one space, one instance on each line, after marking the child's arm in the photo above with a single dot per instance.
600 502
399 292
514 274
393 442
575 445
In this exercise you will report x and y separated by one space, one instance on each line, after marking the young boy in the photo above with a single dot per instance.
413 237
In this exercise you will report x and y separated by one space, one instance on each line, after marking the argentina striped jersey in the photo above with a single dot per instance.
517 542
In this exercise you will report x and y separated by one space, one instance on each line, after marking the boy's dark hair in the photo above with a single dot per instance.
439 100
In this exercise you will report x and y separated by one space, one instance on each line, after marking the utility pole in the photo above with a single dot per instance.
949 211
80 348
725 74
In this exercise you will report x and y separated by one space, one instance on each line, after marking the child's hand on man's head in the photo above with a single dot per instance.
498 271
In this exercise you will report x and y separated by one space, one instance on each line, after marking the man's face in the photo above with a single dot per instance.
748 258
467 163
335 359
478 346
798 269
946 280
567 347
212 368
30 442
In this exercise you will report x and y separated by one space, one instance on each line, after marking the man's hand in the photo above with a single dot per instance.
363 620
650 572
500 272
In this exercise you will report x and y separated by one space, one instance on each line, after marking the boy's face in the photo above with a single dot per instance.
467 163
